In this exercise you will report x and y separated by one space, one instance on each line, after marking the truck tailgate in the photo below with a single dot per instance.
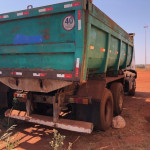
45 42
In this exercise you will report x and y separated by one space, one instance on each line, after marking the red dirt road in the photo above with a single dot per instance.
135 136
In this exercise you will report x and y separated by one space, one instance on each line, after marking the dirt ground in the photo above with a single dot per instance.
135 136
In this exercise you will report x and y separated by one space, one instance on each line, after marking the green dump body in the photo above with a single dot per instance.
66 41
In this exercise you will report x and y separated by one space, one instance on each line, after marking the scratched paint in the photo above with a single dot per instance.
48 46
24 39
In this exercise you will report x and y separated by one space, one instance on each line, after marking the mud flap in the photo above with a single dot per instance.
93 89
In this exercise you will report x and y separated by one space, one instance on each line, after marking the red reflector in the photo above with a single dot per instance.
26 13
43 74
76 4
49 9
16 73
79 14
77 72
3 17
23 13
15 95
68 75
78 100
39 74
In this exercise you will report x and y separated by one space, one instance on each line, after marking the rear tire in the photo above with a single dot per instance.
106 110
118 96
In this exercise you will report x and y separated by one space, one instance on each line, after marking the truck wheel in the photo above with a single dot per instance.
106 110
118 95
132 91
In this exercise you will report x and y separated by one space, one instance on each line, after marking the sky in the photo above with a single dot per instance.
131 15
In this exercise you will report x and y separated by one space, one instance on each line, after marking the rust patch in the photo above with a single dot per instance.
44 23
62 35
15 29
46 34
94 89
110 23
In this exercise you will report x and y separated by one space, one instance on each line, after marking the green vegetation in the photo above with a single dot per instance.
9 142
58 141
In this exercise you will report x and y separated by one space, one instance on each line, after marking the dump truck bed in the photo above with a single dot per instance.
65 41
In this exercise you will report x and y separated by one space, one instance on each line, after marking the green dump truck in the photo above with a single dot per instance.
66 65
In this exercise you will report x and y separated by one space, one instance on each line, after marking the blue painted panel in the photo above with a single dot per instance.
24 39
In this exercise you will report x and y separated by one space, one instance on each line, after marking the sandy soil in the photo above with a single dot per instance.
135 136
